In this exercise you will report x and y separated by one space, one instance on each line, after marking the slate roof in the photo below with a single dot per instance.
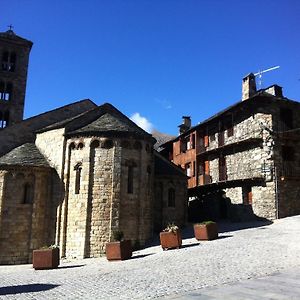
25 155
164 167
103 120
109 123
161 138
9 34
260 96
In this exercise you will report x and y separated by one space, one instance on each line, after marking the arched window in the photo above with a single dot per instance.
171 197
130 180
5 91
4 117
8 61
95 144
77 170
28 193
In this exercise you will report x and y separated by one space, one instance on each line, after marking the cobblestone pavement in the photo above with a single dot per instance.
238 254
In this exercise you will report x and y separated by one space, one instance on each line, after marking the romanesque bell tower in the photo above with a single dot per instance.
14 56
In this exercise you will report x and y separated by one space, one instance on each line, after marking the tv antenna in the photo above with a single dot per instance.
259 74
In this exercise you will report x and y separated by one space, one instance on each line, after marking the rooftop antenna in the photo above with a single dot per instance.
259 73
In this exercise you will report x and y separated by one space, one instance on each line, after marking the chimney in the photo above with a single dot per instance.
186 124
248 87
274 90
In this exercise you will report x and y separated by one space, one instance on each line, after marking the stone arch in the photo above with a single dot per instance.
80 146
72 146
107 144
95 143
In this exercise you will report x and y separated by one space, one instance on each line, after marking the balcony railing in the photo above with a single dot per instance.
238 137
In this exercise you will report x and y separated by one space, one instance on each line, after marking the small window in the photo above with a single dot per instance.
77 170
193 141
4 118
288 153
247 195
5 91
212 137
286 118
130 180
171 197
230 131
206 141
188 170
28 194
8 61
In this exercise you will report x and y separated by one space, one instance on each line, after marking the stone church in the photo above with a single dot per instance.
73 175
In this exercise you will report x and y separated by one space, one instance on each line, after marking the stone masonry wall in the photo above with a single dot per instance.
23 225
98 229
76 204
178 213
136 207
52 145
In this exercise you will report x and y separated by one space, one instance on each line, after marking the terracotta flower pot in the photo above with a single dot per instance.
169 240
45 258
118 250
206 231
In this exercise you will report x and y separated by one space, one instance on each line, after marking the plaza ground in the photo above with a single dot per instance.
244 256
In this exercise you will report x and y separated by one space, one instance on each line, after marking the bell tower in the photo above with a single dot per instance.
14 57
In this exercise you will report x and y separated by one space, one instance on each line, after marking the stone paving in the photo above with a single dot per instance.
239 254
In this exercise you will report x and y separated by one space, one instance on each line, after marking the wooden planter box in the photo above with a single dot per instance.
118 250
45 258
169 240
206 231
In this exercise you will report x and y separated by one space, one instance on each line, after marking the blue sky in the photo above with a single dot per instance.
161 59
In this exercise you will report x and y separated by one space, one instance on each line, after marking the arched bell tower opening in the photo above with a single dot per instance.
14 57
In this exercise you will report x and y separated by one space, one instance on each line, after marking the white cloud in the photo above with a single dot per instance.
142 122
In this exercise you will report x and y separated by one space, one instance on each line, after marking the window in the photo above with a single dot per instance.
230 131
8 61
130 180
77 170
4 117
28 194
193 143
171 197
212 137
188 170
206 141
247 195
188 143
288 153
286 118
5 91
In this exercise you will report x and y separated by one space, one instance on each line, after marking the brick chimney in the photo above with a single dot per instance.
186 124
248 87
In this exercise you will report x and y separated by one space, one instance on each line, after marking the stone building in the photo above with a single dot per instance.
244 161
74 175
14 56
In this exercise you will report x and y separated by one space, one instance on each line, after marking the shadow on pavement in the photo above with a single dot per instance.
70 267
190 245
141 255
26 288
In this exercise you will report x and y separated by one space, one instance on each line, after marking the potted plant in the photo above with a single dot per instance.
120 249
46 258
207 230
170 237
